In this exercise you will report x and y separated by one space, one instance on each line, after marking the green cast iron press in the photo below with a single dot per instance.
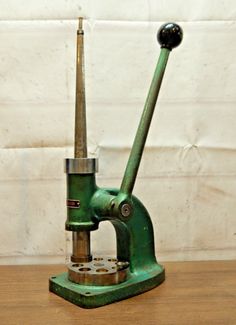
93 281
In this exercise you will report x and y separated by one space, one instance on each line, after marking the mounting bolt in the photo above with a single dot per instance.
126 210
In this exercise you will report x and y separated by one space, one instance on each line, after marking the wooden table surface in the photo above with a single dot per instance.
193 293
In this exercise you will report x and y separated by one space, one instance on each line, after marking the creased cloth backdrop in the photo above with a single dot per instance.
187 176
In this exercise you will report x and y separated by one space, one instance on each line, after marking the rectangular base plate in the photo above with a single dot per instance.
96 296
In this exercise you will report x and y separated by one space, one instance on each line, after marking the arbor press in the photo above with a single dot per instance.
93 281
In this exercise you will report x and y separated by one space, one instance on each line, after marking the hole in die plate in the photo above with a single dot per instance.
98 259
77 265
102 270
85 269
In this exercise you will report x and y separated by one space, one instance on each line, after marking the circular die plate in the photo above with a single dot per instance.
101 271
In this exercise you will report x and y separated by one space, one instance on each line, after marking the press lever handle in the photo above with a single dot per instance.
169 36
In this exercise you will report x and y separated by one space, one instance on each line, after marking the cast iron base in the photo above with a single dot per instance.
96 296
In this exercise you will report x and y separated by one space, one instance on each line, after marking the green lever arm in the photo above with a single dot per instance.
169 36
131 171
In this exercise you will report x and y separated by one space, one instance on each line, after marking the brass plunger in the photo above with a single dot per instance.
81 239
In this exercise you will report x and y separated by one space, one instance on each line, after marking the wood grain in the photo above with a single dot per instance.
193 293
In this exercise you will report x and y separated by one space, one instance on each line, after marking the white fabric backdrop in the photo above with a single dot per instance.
187 176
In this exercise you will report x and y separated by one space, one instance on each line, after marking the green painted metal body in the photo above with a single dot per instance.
134 233
95 296
143 128
81 187
135 243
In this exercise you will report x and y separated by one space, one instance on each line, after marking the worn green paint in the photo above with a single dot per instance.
134 234
94 296
81 187
135 243
143 128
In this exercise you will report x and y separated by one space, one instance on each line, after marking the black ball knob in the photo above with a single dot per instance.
170 35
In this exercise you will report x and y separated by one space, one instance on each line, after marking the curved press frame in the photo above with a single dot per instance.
135 243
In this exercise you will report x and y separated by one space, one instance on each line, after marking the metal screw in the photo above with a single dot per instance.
125 210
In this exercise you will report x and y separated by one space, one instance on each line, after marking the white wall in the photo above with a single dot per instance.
187 177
